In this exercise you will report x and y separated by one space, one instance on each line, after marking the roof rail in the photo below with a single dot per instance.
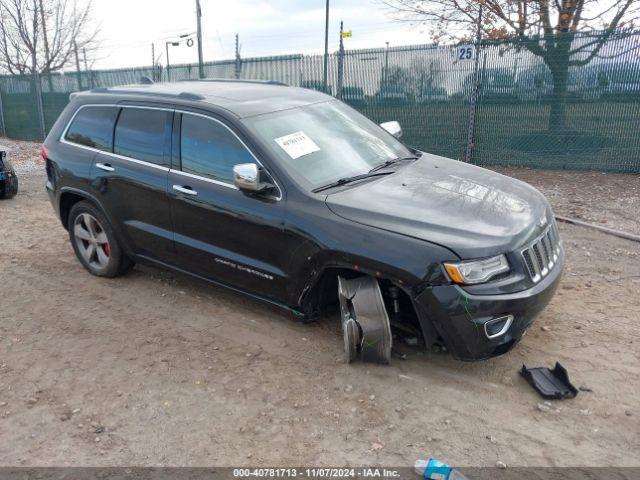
114 90
236 80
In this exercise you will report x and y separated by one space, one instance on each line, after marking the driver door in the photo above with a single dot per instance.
221 233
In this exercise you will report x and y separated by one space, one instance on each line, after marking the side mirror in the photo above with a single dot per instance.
393 128
248 177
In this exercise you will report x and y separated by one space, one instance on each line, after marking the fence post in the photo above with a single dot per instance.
238 66
3 130
340 65
39 106
474 94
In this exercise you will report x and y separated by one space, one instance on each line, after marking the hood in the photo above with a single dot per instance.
470 210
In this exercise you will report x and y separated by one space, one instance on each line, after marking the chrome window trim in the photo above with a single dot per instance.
115 155
62 139
204 179
111 154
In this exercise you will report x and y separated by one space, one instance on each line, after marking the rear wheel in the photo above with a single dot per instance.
94 242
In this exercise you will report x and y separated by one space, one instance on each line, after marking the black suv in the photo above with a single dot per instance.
293 197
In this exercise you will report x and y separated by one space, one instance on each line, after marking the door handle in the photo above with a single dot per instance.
105 166
186 190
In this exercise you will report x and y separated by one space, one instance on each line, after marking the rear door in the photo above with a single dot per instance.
131 180
220 232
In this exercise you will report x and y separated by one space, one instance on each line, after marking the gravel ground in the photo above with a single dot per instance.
161 369
607 199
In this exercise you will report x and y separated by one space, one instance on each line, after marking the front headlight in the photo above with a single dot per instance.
477 271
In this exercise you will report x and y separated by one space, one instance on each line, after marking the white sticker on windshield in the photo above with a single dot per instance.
297 145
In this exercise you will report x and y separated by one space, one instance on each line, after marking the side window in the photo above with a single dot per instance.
141 134
209 149
93 127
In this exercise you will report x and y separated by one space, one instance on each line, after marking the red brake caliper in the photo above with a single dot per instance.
107 251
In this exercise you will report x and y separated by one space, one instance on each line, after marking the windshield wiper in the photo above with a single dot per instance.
343 181
388 163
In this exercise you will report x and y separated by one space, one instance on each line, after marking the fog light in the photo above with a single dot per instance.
498 326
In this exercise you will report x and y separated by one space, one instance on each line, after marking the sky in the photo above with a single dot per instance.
128 28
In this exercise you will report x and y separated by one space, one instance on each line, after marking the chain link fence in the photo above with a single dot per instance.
491 104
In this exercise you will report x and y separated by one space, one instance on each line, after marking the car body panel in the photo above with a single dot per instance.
242 99
460 316
224 233
128 192
473 211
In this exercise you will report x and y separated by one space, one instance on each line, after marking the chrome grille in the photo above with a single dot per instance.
541 255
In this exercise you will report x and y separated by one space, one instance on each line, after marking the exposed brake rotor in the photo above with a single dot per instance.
365 323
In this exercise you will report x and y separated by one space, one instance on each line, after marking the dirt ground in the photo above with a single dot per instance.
160 369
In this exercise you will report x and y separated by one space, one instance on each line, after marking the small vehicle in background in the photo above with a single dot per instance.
496 85
392 94
432 94
353 96
535 84
622 82
587 83
8 178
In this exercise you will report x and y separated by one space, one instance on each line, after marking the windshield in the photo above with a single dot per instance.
321 143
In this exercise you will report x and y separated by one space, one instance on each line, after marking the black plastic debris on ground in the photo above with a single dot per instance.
551 384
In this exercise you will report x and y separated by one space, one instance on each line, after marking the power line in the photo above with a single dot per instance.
145 42
365 27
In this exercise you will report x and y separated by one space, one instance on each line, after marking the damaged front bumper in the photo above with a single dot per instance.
476 327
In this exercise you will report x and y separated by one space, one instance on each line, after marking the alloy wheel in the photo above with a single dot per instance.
92 241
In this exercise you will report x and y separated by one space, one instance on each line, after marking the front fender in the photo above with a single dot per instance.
403 260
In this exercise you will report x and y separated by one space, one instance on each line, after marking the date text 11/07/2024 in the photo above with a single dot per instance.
310 472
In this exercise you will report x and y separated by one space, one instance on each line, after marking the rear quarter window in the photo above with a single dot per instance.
93 127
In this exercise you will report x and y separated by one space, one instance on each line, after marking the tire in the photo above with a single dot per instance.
9 187
95 243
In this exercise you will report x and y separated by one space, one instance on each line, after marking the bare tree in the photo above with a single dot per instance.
42 35
555 30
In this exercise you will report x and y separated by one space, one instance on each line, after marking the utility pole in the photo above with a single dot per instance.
200 62
340 62
75 51
168 66
238 64
326 49
167 45
474 94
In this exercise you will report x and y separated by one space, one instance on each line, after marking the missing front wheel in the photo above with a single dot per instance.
365 323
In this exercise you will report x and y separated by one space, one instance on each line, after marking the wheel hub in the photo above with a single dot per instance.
91 241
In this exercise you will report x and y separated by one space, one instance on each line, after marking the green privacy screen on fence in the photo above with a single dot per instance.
490 104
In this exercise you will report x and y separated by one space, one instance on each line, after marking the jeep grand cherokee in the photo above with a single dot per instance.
288 195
